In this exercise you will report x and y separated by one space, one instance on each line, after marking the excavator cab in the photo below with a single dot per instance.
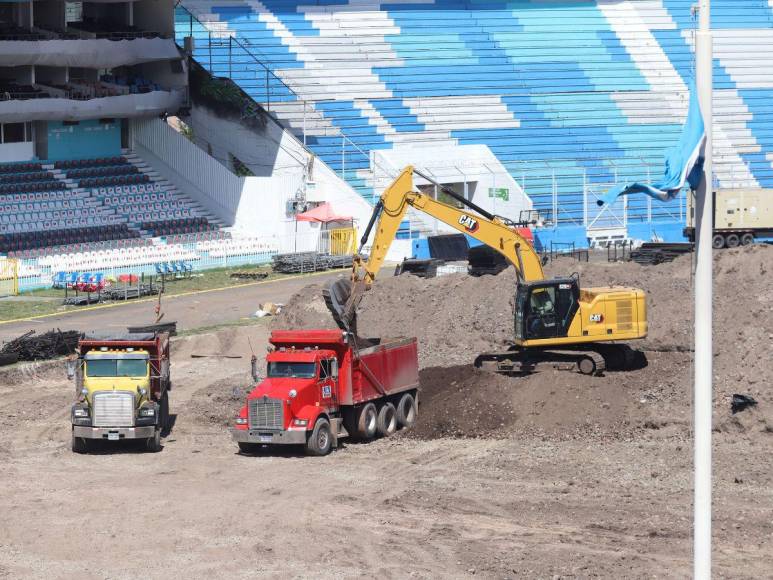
545 308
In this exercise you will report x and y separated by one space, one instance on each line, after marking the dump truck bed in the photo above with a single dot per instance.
370 369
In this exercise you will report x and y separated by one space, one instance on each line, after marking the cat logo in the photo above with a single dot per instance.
597 318
470 223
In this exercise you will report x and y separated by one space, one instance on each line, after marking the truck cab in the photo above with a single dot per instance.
300 385
121 390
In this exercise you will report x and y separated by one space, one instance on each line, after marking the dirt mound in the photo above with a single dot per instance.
218 403
305 310
457 317
461 401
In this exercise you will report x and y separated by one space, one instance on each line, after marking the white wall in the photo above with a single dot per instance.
474 164
24 151
252 206
279 162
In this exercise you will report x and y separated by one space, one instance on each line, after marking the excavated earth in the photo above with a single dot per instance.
552 475
456 317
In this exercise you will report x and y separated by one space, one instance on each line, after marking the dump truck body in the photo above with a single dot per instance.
323 374
122 384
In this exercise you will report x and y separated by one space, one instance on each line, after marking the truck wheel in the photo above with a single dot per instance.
406 411
718 242
732 240
387 420
321 439
366 422
153 444
248 448
747 239
79 445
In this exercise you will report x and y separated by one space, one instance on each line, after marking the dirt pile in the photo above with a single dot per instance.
461 401
456 317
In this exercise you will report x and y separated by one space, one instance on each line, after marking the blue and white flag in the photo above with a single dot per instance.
684 162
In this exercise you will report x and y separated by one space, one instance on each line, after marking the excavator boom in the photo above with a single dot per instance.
343 296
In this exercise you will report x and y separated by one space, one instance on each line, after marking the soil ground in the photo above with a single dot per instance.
566 477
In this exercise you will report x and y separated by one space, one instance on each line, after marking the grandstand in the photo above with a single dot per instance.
76 194
570 96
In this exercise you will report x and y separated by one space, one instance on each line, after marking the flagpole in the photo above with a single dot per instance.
703 374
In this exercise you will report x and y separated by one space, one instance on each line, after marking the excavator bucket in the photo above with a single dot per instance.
337 295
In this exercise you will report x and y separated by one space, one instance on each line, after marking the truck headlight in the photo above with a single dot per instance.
84 393
300 422
147 412
80 412
142 392
241 421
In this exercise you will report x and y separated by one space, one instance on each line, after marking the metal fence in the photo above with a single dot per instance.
196 256
9 277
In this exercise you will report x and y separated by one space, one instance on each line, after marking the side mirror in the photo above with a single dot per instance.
334 368
254 368
71 366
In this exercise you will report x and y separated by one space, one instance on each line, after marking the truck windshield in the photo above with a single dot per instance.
112 367
293 370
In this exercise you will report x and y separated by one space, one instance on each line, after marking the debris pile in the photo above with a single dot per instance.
31 346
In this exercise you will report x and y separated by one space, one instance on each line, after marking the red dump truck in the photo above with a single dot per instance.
321 385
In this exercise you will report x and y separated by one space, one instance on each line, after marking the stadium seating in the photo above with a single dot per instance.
87 201
570 96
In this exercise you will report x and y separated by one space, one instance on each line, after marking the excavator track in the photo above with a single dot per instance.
590 359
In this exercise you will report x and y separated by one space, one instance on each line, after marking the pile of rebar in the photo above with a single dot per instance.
657 253
308 262
31 346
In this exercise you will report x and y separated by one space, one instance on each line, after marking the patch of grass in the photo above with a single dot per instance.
49 300
11 309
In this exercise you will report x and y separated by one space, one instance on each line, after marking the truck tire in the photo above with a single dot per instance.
79 445
406 411
387 420
747 239
320 441
153 444
732 241
718 241
248 448
366 422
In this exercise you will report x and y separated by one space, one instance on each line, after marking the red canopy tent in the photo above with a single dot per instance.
322 214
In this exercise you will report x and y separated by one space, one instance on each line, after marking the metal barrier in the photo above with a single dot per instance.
343 241
9 277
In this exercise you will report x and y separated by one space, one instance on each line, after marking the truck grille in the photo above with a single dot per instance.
266 414
113 410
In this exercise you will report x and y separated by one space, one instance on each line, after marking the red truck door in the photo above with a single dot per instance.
328 392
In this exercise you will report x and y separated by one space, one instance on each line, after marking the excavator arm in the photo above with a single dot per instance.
344 296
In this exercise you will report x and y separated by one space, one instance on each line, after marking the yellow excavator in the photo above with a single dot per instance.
556 321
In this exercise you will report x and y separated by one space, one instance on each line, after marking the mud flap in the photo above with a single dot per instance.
337 430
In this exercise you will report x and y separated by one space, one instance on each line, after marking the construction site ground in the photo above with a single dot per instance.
555 475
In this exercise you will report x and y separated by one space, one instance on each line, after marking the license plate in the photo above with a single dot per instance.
112 437
265 438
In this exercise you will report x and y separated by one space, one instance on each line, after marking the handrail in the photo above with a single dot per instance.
232 38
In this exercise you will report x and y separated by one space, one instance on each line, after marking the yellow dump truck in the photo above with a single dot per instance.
122 389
